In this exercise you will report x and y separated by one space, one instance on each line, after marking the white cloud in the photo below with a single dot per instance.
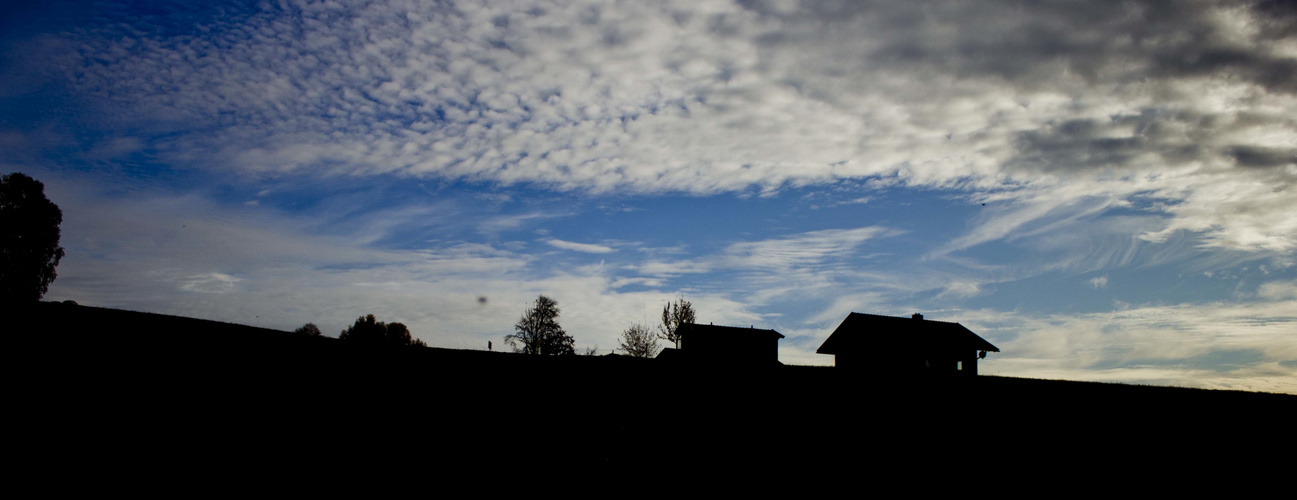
648 282
1222 345
960 290
579 247
671 268
715 96
136 254
801 249
209 283
1279 291
1098 282
510 222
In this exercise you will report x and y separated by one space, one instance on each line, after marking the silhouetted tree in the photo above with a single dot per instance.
365 329
309 330
29 239
371 331
638 341
398 334
537 332
674 314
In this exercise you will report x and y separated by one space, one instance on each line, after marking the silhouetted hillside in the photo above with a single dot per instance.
193 389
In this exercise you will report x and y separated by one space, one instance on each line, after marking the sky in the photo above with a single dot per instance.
1103 190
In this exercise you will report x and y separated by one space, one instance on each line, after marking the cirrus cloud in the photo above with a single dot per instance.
579 247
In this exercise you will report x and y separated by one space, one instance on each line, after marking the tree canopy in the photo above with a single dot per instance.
29 239
369 330
674 314
309 330
538 332
638 341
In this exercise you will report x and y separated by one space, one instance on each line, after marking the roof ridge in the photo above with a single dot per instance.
729 326
908 318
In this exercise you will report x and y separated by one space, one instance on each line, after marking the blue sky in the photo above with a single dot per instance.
1105 192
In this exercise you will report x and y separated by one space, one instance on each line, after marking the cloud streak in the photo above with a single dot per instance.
1164 345
579 247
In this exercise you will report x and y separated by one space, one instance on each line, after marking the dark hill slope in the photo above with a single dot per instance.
182 393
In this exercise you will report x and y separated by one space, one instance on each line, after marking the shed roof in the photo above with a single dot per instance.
729 331
861 332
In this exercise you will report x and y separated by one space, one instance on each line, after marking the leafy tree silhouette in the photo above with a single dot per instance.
369 330
309 330
29 239
638 341
674 314
537 331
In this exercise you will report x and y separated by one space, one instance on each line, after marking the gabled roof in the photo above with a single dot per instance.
729 331
860 332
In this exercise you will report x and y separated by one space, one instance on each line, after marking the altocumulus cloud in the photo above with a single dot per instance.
1186 108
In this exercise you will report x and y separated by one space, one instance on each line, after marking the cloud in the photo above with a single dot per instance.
648 282
715 96
802 249
1029 217
579 247
514 221
184 255
802 265
1098 282
137 255
1217 344
1190 103
672 268
209 283
960 290
1098 136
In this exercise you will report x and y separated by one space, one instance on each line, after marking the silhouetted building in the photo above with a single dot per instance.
725 345
869 342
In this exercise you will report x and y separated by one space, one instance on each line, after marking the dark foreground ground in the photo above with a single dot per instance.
110 400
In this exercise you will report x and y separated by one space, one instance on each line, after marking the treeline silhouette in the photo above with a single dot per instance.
368 330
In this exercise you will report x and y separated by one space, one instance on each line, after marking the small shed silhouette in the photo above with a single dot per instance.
725 345
868 342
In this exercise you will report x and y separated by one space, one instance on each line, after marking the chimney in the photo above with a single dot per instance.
917 316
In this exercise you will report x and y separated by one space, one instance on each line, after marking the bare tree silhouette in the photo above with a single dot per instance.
674 314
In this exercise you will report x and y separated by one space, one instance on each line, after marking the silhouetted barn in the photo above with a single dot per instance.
727 344
887 344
